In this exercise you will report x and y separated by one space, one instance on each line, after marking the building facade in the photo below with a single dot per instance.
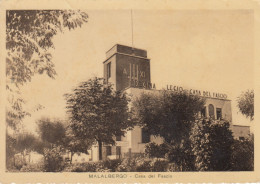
128 69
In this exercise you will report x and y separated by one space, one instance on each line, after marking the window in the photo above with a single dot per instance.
211 111
118 138
203 112
109 70
219 113
109 150
118 151
145 136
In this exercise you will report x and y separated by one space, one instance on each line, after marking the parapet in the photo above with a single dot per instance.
126 50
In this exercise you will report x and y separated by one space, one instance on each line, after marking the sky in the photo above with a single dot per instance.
200 49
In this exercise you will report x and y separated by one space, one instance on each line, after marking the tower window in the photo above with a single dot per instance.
219 113
109 70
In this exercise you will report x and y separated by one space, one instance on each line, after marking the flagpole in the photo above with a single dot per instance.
132 26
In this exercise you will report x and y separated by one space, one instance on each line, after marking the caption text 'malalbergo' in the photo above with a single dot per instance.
108 176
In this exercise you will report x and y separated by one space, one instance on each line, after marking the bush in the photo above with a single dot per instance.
172 167
19 162
10 152
111 164
74 168
127 165
87 167
33 168
159 165
243 155
136 164
154 150
143 166
82 167
53 161
212 145
181 156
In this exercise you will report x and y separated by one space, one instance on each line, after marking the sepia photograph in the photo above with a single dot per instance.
108 92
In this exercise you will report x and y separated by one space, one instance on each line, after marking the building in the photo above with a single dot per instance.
240 132
128 69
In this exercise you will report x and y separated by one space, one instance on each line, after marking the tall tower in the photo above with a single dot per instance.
127 67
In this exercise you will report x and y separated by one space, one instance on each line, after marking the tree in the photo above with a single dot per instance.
75 144
98 113
243 155
246 104
10 151
51 131
167 114
170 115
29 35
181 155
153 150
24 144
53 161
211 143
54 133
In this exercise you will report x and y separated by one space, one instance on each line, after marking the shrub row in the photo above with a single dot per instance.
124 165
102 166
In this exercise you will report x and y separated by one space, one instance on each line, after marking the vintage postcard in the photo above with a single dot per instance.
129 91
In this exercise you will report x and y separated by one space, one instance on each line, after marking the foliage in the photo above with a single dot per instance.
29 35
134 164
211 145
97 112
51 131
54 133
88 167
172 167
32 168
181 155
39 146
154 150
128 164
159 165
24 142
143 164
82 167
201 145
53 161
246 103
74 144
111 164
10 151
168 114
243 155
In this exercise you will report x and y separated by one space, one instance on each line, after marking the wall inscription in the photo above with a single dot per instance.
137 77
197 92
